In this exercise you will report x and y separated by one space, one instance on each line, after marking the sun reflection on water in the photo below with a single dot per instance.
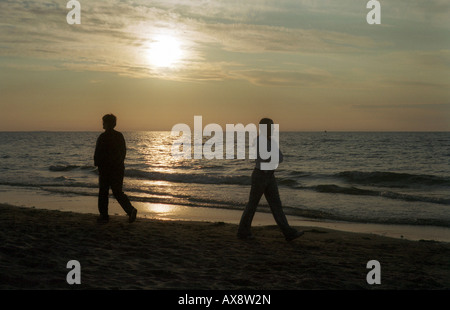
160 209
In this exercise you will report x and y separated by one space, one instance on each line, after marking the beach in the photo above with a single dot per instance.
190 117
152 254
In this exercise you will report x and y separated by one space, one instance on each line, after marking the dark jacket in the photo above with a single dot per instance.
110 152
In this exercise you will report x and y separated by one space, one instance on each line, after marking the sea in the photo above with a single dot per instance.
399 178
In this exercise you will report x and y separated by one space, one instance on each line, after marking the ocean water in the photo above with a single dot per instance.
361 177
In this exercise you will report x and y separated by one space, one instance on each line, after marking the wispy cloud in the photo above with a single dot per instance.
285 78
114 36
442 107
257 39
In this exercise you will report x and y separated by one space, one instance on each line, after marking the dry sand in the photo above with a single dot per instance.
35 246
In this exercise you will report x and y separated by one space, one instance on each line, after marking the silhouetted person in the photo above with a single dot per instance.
264 182
109 157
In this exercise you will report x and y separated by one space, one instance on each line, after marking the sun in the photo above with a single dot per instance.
165 51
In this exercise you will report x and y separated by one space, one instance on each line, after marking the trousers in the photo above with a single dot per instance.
264 183
113 180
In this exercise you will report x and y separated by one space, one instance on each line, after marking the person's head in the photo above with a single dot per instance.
109 121
268 122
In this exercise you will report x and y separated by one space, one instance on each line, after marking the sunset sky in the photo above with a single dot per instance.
309 65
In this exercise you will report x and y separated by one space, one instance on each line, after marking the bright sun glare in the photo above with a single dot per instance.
165 51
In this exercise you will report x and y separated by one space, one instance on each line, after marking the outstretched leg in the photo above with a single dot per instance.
117 189
256 192
273 198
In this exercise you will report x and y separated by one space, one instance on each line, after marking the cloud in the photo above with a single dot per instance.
114 36
443 107
414 84
414 69
258 39
435 12
285 78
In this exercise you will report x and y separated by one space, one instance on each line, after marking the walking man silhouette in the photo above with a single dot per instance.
264 182
109 157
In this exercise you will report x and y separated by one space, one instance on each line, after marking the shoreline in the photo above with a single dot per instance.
152 254
31 197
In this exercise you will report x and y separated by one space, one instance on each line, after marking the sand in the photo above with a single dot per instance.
36 244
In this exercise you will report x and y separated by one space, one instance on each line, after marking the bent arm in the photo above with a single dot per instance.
281 157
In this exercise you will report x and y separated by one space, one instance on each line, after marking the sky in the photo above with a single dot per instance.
308 65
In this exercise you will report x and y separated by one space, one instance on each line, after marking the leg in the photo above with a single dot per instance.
273 198
256 192
117 189
103 194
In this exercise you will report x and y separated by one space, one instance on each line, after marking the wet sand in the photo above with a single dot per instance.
150 254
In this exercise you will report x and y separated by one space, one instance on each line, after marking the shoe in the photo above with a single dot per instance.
132 216
103 219
294 235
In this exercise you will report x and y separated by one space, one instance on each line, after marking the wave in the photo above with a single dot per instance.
294 184
334 189
288 182
392 179
202 178
331 188
299 174
59 168
187 177
375 183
